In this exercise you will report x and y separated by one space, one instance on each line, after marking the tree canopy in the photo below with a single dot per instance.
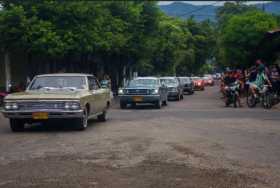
108 36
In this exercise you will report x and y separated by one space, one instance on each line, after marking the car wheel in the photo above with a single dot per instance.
158 104
267 101
251 100
82 123
16 125
123 105
102 117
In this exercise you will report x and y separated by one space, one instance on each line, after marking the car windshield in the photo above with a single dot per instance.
169 81
196 78
186 80
58 82
142 82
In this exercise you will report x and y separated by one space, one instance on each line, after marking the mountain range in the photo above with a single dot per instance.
204 12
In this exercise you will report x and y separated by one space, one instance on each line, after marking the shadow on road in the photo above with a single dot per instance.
58 126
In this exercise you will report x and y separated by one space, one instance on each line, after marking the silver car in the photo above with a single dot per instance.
143 90
175 91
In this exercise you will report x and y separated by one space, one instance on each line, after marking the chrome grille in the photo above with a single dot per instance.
41 105
171 89
137 91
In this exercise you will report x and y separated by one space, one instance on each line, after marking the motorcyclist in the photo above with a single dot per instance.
230 79
261 79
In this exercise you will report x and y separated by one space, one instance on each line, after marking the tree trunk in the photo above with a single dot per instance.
7 70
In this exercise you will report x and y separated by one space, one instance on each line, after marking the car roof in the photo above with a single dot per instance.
64 74
147 77
168 77
183 77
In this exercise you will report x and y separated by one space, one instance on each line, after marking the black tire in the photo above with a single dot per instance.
227 102
267 101
82 123
251 100
123 105
102 117
158 104
16 125
234 100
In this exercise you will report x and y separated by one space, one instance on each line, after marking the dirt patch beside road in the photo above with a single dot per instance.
68 171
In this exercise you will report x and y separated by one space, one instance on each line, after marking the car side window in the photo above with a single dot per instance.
93 83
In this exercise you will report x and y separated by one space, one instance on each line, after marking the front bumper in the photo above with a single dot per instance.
144 98
52 114
188 89
172 94
198 87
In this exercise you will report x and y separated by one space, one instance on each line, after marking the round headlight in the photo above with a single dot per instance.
14 106
67 106
8 107
155 91
11 106
72 105
75 106
120 92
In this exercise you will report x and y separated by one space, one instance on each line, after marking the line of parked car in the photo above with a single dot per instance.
80 97
159 90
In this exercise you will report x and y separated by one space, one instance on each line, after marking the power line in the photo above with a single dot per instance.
198 9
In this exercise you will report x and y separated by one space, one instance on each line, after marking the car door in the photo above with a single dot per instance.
92 98
98 95
103 96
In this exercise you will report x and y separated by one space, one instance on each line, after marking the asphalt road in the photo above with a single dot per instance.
192 143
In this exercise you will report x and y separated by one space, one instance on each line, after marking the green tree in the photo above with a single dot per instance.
242 34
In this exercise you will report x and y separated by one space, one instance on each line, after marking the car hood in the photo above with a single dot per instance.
39 95
142 87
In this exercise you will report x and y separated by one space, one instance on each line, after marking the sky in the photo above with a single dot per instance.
219 3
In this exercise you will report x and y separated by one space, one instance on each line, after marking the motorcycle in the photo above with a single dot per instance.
264 96
231 93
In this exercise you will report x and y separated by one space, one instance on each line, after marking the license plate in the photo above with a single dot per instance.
40 115
137 99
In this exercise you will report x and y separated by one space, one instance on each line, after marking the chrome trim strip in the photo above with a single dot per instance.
43 100
43 110
139 95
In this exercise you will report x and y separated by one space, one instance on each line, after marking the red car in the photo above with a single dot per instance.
199 83
208 80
